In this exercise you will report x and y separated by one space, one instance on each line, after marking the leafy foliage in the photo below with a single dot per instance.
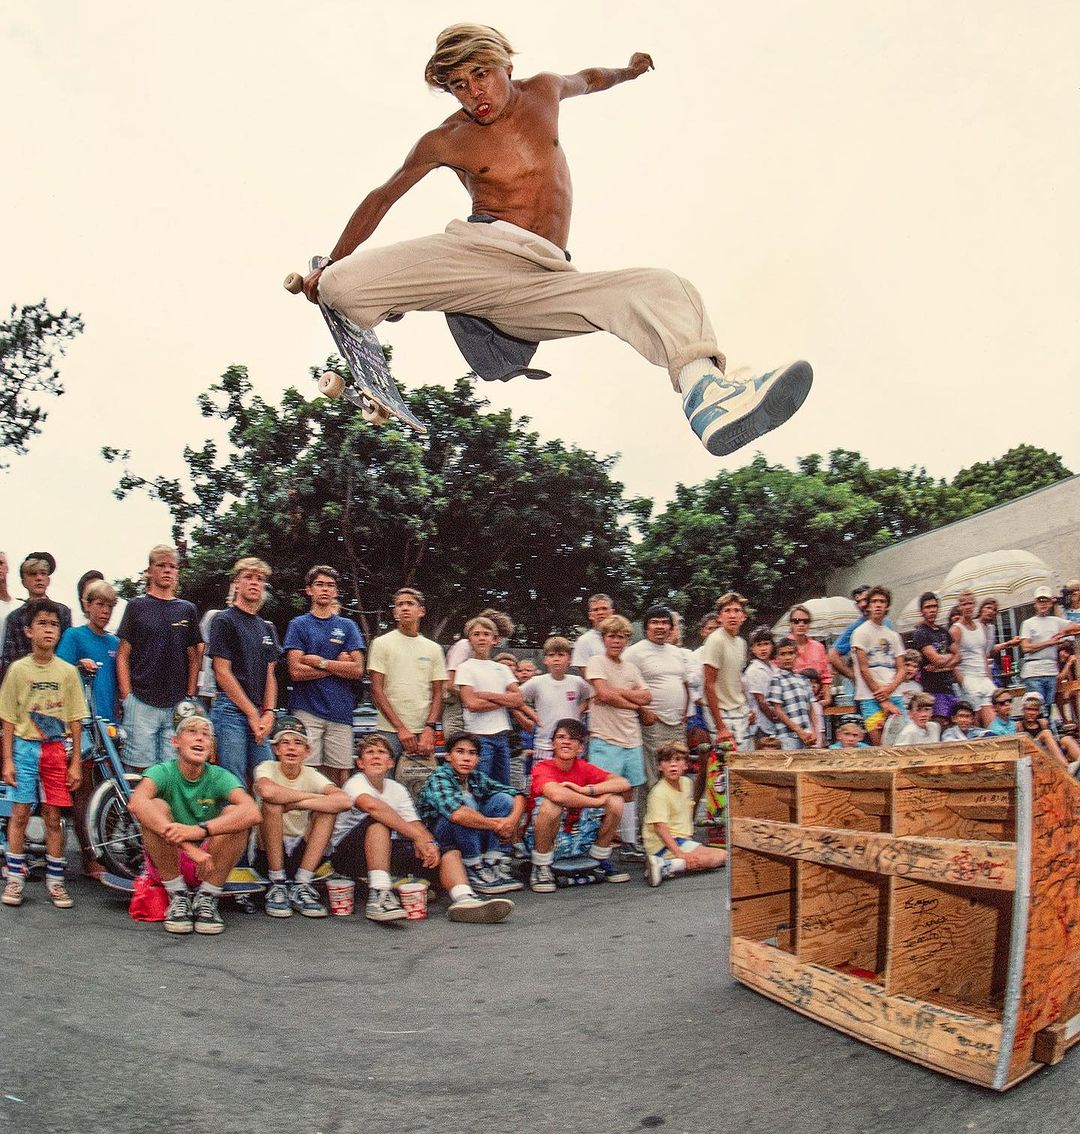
482 513
29 341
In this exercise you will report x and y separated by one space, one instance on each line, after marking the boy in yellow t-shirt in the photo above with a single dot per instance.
41 702
669 821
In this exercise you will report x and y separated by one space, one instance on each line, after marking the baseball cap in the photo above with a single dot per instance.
188 713
1032 696
1043 592
286 725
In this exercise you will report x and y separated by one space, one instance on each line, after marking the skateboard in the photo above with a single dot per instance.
576 871
231 888
372 388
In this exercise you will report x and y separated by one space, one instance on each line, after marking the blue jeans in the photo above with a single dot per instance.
471 842
149 733
1047 686
495 757
237 751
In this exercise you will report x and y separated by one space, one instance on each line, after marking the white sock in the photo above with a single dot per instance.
175 885
543 858
693 372
601 854
461 891
303 876
378 879
211 889
628 823
277 876
675 866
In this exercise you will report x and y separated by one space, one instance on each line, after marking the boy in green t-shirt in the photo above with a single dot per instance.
669 821
195 818
41 701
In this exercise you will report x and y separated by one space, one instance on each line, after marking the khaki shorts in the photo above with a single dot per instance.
331 743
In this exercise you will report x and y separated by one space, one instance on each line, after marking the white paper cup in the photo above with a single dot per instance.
341 894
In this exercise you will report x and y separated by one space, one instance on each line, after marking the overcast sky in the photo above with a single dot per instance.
888 190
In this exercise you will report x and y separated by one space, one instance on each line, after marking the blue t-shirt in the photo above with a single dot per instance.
329 698
81 642
998 727
250 644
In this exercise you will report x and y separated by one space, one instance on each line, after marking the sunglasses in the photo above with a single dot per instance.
800 621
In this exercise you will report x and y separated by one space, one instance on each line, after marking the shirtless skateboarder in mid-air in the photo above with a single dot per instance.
506 264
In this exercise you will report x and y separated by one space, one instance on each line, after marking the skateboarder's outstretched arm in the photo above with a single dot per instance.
594 79
421 160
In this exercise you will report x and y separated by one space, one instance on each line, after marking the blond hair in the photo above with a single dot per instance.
480 620
557 645
615 624
162 549
251 563
99 589
466 43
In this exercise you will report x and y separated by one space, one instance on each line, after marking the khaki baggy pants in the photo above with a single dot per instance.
524 285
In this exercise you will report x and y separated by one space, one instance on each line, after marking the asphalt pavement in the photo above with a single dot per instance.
602 1008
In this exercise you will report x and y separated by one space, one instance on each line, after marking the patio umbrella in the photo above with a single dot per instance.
1010 576
829 617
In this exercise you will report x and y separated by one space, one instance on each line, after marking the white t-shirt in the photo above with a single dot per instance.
665 673
1042 663
485 676
554 701
882 647
912 734
587 646
294 823
756 678
393 794
409 666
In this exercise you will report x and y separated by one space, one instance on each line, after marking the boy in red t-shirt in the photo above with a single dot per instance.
560 789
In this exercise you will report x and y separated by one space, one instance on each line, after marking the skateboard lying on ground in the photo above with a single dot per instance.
372 389
231 888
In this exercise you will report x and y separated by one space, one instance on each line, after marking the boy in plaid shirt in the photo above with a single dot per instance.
789 699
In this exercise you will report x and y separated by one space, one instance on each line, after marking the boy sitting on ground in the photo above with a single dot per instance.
195 818
472 813
299 805
41 699
560 790
668 833
364 843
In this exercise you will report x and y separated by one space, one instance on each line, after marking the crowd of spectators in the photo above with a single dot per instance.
482 772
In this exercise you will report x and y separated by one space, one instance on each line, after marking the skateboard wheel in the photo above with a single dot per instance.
294 283
374 414
331 385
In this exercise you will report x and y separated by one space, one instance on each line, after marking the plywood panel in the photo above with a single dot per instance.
842 918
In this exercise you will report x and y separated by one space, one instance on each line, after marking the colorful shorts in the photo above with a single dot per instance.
41 772
873 714
687 845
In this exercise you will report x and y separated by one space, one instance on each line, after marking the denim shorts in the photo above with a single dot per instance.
626 762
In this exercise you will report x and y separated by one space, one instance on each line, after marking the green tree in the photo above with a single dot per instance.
1021 470
30 339
482 512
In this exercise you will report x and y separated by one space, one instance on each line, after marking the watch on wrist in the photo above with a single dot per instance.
432 725
206 830
322 663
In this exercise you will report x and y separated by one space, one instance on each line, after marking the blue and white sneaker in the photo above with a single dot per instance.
277 900
728 412
606 871
304 899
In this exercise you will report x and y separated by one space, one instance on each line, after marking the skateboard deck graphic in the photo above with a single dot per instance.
127 885
372 389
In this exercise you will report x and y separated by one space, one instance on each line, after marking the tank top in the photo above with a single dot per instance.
972 650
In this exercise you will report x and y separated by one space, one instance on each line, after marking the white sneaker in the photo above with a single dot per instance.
654 870
481 911
729 411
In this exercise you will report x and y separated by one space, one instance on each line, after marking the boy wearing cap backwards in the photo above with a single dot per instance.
668 832
195 818
299 805
363 843
850 732
41 699
36 571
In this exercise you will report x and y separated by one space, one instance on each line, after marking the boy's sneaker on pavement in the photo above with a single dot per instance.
383 905
178 917
631 852
13 892
304 899
728 412
59 896
606 871
654 870
542 879
485 879
480 911
504 869
205 914
277 900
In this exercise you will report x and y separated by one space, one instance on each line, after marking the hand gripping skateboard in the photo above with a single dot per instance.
372 388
